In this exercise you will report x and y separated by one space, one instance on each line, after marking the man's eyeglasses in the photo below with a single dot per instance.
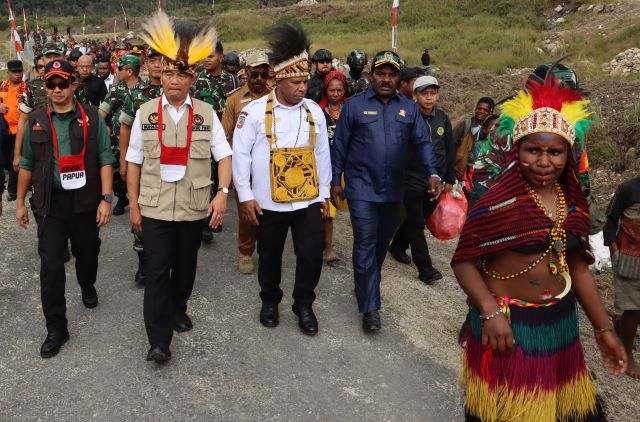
63 84
323 61
256 75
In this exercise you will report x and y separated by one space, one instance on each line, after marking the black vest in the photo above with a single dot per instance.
86 198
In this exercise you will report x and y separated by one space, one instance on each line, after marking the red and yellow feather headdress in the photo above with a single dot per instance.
547 107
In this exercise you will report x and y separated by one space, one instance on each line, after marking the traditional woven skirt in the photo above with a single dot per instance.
544 380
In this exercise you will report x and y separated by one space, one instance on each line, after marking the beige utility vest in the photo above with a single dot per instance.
188 198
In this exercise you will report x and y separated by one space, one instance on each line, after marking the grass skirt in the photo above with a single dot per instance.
544 380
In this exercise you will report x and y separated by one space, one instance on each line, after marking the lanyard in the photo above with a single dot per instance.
164 149
55 136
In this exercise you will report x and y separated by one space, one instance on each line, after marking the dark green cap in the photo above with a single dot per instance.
53 47
386 57
129 60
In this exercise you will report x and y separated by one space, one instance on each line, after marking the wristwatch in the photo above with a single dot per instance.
107 198
224 190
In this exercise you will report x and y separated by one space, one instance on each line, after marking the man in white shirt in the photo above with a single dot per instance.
169 179
280 189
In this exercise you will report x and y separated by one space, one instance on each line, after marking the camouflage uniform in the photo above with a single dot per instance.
129 109
357 86
112 106
214 90
34 96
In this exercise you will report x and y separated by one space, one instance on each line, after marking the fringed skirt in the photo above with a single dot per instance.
544 380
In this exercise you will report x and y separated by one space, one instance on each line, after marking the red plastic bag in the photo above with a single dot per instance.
446 221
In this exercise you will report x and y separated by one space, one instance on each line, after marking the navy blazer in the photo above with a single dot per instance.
372 144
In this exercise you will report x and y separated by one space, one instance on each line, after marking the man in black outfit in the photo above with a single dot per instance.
323 60
66 156
418 205
94 86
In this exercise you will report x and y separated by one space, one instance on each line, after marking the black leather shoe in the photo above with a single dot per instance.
429 275
217 229
53 343
400 256
89 297
371 321
207 235
306 319
120 206
11 197
269 315
159 354
140 275
182 323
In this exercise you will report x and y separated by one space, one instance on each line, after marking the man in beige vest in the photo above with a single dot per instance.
169 181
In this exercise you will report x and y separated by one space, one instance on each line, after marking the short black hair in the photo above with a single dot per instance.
408 73
37 57
486 100
219 48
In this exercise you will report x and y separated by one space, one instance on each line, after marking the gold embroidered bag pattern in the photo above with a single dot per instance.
292 170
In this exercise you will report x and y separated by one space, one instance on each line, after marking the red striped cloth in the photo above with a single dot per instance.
507 217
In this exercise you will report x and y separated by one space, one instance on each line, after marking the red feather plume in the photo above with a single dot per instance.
551 94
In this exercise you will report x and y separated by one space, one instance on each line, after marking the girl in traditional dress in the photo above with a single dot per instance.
523 259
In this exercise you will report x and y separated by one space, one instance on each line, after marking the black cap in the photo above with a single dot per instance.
232 58
60 68
14 65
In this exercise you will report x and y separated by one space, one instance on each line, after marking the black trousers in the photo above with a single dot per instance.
7 144
53 231
411 232
171 259
307 231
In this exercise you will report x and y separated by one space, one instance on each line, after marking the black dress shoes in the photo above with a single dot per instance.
53 343
89 297
159 354
371 321
182 323
269 315
306 319
399 255
207 235
120 206
429 275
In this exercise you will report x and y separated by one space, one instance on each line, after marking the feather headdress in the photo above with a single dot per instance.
290 45
547 107
181 43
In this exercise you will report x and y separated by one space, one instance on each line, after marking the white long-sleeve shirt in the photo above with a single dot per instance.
251 150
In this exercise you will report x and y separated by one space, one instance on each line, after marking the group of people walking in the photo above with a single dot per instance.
180 143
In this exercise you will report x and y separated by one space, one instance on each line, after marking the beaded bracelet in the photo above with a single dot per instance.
602 330
493 315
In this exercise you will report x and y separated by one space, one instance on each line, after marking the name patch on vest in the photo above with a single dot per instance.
151 126
201 128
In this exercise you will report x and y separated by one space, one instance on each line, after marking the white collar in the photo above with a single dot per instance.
187 101
276 103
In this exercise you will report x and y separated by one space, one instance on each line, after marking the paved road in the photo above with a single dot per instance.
228 367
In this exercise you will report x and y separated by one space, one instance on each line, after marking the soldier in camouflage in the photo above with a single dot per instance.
357 61
110 109
212 86
131 105
323 60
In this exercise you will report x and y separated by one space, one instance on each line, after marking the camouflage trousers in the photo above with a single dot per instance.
119 185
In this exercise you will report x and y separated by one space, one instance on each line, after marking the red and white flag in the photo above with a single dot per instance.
394 24
159 5
14 32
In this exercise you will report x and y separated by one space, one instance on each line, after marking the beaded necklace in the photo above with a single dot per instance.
558 239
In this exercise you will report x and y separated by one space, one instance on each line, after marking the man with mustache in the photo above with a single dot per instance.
376 132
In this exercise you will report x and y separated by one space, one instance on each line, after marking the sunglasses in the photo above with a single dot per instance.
324 61
63 84
256 75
